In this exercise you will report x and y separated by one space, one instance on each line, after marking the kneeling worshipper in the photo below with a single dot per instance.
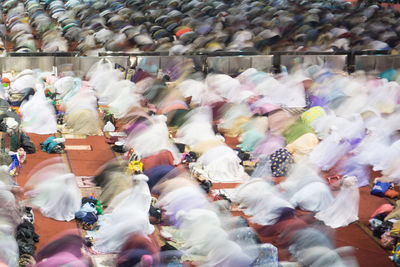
160 173
344 209
152 140
139 248
10 218
305 189
179 193
53 190
311 247
205 235
100 76
10 209
113 180
260 200
128 213
222 164
9 251
38 114
66 249
125 99
197 131
81 113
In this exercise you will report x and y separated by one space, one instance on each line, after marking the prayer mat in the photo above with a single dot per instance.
103 260
90 191
74 136
85 181
78 147
118 134
64 130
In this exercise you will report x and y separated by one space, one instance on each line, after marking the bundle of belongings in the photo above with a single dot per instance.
384 187
13 159
385 224
26 239
14 143
10 123
53 145
87 216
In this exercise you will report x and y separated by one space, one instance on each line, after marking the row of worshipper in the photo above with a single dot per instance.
207 229
329 122
250 107
181 26
120 191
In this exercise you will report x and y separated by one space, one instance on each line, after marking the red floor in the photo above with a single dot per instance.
367 250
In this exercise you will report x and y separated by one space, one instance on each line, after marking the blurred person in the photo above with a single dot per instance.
311 247
67 249
153 139
136 247
53 190
38 114
260 200
344 209
304 188
113 180
127 213
81 113
9 252
179 193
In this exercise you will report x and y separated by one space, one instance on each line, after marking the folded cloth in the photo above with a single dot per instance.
391 193
384 208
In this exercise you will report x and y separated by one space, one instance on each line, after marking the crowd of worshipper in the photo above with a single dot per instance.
183 26
299 145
